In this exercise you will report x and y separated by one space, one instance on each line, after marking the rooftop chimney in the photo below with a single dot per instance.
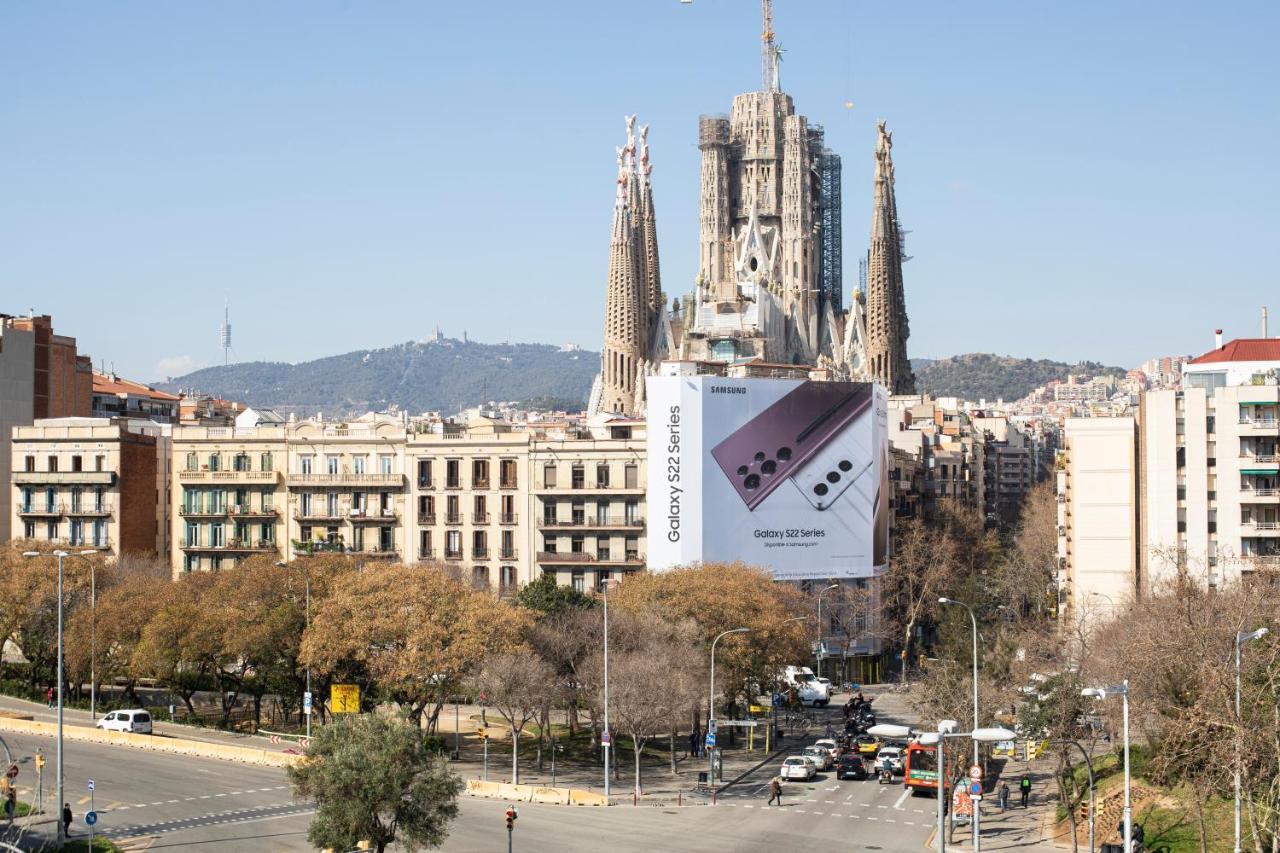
1217 339
1264 321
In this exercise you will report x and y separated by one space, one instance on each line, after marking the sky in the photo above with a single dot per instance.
1087 180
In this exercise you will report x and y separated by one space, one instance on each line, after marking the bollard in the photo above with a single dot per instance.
679 798
713 796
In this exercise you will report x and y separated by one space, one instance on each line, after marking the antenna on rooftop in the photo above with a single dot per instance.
224 333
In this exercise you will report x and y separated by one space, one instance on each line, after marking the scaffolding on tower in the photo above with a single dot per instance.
831 269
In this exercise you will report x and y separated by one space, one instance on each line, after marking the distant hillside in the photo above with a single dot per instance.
983 376
438 375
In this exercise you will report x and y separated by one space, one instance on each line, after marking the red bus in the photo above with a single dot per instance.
920 768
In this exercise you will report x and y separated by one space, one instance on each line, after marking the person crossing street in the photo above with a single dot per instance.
775 791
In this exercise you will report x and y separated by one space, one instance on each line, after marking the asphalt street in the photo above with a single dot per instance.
154 801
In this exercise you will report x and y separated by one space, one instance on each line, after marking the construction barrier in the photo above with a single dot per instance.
534 794
175 746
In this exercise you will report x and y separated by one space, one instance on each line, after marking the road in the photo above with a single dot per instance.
156 801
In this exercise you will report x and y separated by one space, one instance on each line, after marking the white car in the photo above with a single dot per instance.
822 679
829 745
890 755
136 721
799 767
820 757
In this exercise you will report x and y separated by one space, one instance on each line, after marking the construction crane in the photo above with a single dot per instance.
770 53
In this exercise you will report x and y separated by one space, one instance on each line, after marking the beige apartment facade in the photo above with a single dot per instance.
90 483
1097 484
469 504
588 503
498 503
228 496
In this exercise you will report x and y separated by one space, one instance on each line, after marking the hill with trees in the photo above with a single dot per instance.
984 376
443 374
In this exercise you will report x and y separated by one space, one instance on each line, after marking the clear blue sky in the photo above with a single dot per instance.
1081 180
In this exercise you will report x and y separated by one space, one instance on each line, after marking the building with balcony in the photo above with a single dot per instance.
588 501
114 397
228 497
469 502
1201 496
90 483
42 375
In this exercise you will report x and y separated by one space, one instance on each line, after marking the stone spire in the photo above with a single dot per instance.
624 322
887 328
649 234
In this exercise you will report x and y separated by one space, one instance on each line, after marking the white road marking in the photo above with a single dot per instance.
905 793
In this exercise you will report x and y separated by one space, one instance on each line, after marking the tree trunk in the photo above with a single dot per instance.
906 648
515 754
636 743
674 772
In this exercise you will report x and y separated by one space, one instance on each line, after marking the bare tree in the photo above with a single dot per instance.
516 684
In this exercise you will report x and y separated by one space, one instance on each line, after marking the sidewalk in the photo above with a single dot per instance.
1018 828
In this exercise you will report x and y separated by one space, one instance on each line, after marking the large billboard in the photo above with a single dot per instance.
787 474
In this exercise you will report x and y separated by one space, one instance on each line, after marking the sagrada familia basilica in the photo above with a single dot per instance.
769 284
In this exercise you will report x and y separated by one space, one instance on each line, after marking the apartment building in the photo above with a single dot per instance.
91 482
228 498
114 397
588 501
938 438
1191 486
42 375
469 502
1097 484
497 502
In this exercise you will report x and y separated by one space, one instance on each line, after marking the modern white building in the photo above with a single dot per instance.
1190 486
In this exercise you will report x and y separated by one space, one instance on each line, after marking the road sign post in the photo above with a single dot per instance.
306 703
344 698
91 817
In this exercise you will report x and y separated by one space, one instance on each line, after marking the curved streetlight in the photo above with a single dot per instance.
1121 690
1093 801
711 699
821 638
1241 639
973 619
62 555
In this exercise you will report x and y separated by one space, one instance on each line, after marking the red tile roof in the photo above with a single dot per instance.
1243 349
108 384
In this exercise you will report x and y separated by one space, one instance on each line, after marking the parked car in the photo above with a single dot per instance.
851 766
136 721
830 746
800 767
821 757
892 756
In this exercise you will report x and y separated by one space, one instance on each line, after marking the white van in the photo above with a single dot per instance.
136 721
809 689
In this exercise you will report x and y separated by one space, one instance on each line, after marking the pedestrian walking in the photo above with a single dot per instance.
11 803
831 731
775 791
1025 787
693 743
66 818
1004 796
49 694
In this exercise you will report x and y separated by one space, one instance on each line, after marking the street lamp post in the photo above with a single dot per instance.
1093 802
61 555
711 697
311 709
974 620
607 737
1121 690
1241 638
821 632
93 642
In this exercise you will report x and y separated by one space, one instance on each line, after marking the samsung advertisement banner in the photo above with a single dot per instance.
786 474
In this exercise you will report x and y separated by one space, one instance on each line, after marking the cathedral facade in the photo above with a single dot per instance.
768 286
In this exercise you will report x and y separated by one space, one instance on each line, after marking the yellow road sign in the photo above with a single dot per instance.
759 709
344 698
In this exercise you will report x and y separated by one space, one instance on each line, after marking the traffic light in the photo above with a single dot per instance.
39 761
511 818
480 732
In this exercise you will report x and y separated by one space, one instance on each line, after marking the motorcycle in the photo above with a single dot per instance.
886 776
